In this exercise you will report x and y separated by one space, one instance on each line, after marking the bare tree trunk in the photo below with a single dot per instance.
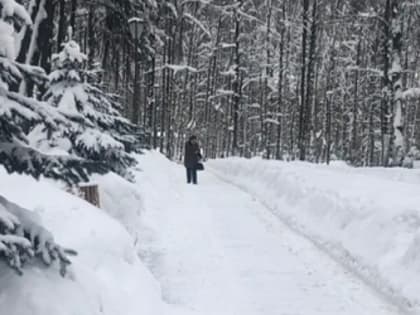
91 36
73 14
266 125
310 79
399 149
329 94
237 81
302 113
386 126
354 138
61 25
135 101
45 36
164 96
280 101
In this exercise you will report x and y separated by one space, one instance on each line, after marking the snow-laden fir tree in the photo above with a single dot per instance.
21 236
98 131
18 113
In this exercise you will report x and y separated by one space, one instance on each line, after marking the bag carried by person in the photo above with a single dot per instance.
199 166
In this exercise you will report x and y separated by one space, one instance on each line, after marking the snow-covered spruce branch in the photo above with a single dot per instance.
16 157
22 239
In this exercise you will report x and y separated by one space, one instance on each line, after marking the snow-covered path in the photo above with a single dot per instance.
218 251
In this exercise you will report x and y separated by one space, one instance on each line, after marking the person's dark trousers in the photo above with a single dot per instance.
191 175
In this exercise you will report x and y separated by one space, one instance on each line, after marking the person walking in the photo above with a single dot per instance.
192 158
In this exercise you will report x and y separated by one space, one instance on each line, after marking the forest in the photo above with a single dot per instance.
299 115
314 80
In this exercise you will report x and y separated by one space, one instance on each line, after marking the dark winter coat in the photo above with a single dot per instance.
192 154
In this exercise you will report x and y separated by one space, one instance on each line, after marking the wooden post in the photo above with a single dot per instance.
90 193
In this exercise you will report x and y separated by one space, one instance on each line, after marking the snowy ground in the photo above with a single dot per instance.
367 219
218 251
254 238
107 276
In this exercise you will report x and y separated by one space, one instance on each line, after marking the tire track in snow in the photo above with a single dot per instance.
342 257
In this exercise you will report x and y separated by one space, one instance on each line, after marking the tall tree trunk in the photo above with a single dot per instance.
354 135
302 112
73 14
266 124
237 80
62 22
136 85
386 125
91 36
398 123
280 101
163 100
310 79
329 94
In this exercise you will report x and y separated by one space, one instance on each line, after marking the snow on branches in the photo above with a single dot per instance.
18 114
97 132
12 14
23 239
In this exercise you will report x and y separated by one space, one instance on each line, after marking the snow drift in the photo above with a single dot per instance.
122 200
368 219
107 277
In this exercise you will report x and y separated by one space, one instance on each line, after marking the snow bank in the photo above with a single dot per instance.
369 219
122 201
107 276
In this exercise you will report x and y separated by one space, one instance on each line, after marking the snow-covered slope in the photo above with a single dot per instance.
122 200
369 219
107 276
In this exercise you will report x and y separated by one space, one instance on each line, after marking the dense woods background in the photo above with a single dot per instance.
313 80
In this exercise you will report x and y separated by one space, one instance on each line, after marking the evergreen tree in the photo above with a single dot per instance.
21 237
18 113
98 132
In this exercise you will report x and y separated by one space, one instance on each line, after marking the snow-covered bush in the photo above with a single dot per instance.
23 238
13 247
98 132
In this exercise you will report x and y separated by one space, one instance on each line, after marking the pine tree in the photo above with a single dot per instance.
98 132
18 113
21 237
